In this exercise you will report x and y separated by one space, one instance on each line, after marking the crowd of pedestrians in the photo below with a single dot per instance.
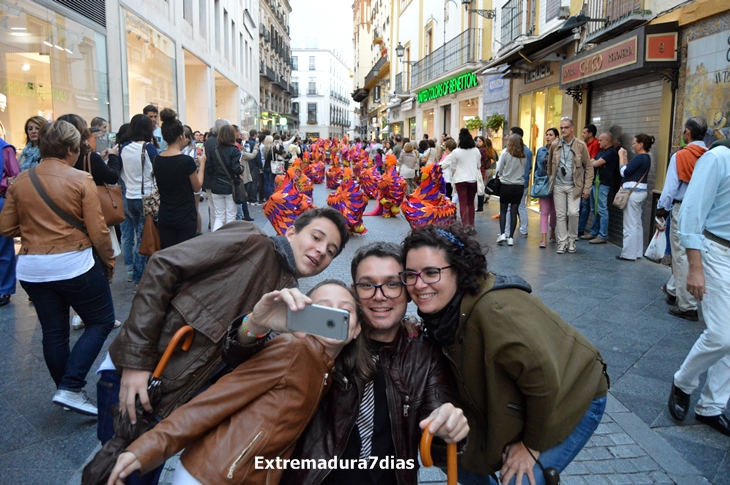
487 366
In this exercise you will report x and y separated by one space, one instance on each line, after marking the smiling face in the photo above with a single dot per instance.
335 296
431 297
33 131
315 246
383 313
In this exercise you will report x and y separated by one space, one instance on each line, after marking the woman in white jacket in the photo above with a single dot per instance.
465 162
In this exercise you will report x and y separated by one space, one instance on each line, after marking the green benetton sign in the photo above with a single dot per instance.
465 81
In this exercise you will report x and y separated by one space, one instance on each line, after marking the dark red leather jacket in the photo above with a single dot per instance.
418 381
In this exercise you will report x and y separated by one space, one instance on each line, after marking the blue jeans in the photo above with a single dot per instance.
127 229
90 296
586 207
557 457
136 218
600 220
242 211
268 183
107 395
7 261
252 188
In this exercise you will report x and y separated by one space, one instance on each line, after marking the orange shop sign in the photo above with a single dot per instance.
604 60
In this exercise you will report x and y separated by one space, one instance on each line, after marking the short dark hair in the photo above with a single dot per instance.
516 130
646 140
425 136
172 128
398 138
378 250
150 108
697 127
226 136
431 143
466 256
333 215
466 141
97 121
555 131
591 129
253 132
423 145
140 128
196 132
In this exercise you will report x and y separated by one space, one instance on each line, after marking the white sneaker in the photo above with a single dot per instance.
117 324
571 247
501 239
76 323
76 401
510 242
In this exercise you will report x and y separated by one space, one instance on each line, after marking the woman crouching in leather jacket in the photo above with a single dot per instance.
258 411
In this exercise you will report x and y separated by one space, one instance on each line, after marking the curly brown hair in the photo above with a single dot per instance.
466 256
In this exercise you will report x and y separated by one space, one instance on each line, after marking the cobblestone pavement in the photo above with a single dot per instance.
618 306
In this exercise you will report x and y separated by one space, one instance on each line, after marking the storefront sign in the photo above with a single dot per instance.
661 47
495 85
539 72
602 61
407 105
465 81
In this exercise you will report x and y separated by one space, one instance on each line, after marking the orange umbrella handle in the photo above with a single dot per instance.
452 471
186 330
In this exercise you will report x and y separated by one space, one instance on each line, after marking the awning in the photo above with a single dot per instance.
360 94
550 42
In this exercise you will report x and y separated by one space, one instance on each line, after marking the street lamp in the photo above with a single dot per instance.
400 51
487 14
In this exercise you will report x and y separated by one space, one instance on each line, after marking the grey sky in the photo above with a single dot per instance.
328 22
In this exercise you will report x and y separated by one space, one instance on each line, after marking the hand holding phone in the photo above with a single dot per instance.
319 320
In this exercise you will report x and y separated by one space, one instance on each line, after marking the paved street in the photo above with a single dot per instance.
619 306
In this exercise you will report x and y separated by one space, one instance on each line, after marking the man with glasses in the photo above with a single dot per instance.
571 178
383 417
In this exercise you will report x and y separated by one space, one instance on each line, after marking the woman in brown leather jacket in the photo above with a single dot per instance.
258 411
66 259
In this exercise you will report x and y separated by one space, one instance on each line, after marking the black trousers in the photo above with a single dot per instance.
176 233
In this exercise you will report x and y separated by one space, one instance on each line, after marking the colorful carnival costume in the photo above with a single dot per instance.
427 205
392 189
351 201
334 175
286 204
370 180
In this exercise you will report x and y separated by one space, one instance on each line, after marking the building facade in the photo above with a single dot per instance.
420 74
322 80
110 58
275 67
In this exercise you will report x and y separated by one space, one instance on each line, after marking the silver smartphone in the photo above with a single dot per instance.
320 320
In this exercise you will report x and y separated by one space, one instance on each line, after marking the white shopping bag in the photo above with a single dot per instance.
657 246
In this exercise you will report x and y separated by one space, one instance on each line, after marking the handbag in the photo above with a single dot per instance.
150 242
480 184
110 198
540 187
621 200
237 189
494 185
150 201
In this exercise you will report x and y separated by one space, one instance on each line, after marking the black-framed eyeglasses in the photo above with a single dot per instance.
427 275
391 290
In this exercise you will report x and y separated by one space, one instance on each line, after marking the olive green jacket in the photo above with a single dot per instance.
522 372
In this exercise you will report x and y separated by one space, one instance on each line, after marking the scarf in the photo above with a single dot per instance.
442 325
686 159
31 157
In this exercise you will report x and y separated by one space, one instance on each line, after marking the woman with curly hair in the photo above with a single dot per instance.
531 386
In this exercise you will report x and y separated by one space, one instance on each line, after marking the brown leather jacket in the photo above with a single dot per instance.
206 283
418 381
258 410
41 231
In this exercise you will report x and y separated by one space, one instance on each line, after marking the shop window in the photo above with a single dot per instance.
150 67
49 66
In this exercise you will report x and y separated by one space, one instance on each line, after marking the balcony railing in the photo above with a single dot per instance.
459 51
376 68
399 83
618 12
